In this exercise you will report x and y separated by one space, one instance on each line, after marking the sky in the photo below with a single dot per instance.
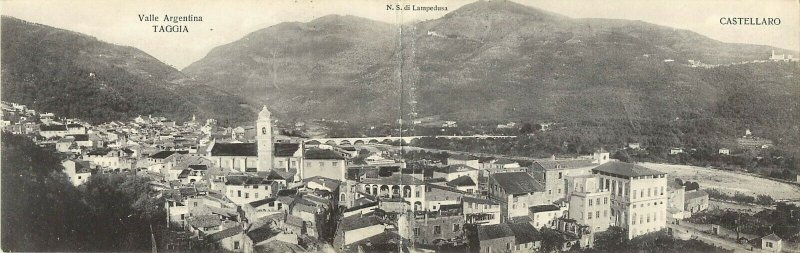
117 21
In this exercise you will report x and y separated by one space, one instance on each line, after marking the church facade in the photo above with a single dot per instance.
262 156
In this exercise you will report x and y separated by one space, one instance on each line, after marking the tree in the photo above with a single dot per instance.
615 239
526 128
551 240
764 200
690 186
622 155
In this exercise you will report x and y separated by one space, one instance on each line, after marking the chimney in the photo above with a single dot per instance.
553 157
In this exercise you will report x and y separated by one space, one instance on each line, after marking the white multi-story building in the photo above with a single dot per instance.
589 204
638 196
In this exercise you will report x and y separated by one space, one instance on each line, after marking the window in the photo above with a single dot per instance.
195 203
605 200
308 164
559 191
455 227
517 247
769 244
648 192
597 214
246 195
335 163
293 163
437 230
559 175
321 164
590 215
239 192
256 194
236 245
634 194
662 190
634 220
417 194
416 231
590 202
508 246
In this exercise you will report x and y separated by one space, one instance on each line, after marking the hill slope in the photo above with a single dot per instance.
75 75
495 61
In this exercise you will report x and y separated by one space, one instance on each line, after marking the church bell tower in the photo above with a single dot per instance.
264 139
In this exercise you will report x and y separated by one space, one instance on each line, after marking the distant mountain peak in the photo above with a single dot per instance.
485 8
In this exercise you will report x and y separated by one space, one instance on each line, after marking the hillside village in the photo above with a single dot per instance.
248 189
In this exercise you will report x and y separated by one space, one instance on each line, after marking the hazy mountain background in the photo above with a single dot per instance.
499 61
76 75
484 61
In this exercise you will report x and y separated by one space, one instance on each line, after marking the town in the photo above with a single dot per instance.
250 189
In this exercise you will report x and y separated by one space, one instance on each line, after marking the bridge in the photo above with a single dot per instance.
407 139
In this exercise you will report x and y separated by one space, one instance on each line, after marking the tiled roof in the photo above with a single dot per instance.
278 174
162 154
233 231
517 182
462 181
322 154
524 232
455 168
356 221
562 164
543 208
771 237
245 180
626 169
478 200
285 149
198 167
80 137
261 202
489 232
261 234
695 194
52 128
234 149
204 221
327 182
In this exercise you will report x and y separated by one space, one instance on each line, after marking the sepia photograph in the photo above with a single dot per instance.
477 126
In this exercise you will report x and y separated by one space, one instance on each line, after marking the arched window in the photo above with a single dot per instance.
264 130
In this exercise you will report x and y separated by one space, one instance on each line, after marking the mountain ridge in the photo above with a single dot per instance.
483 61
76 75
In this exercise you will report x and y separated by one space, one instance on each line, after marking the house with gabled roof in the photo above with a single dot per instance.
516 191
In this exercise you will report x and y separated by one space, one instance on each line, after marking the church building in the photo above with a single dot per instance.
263 156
